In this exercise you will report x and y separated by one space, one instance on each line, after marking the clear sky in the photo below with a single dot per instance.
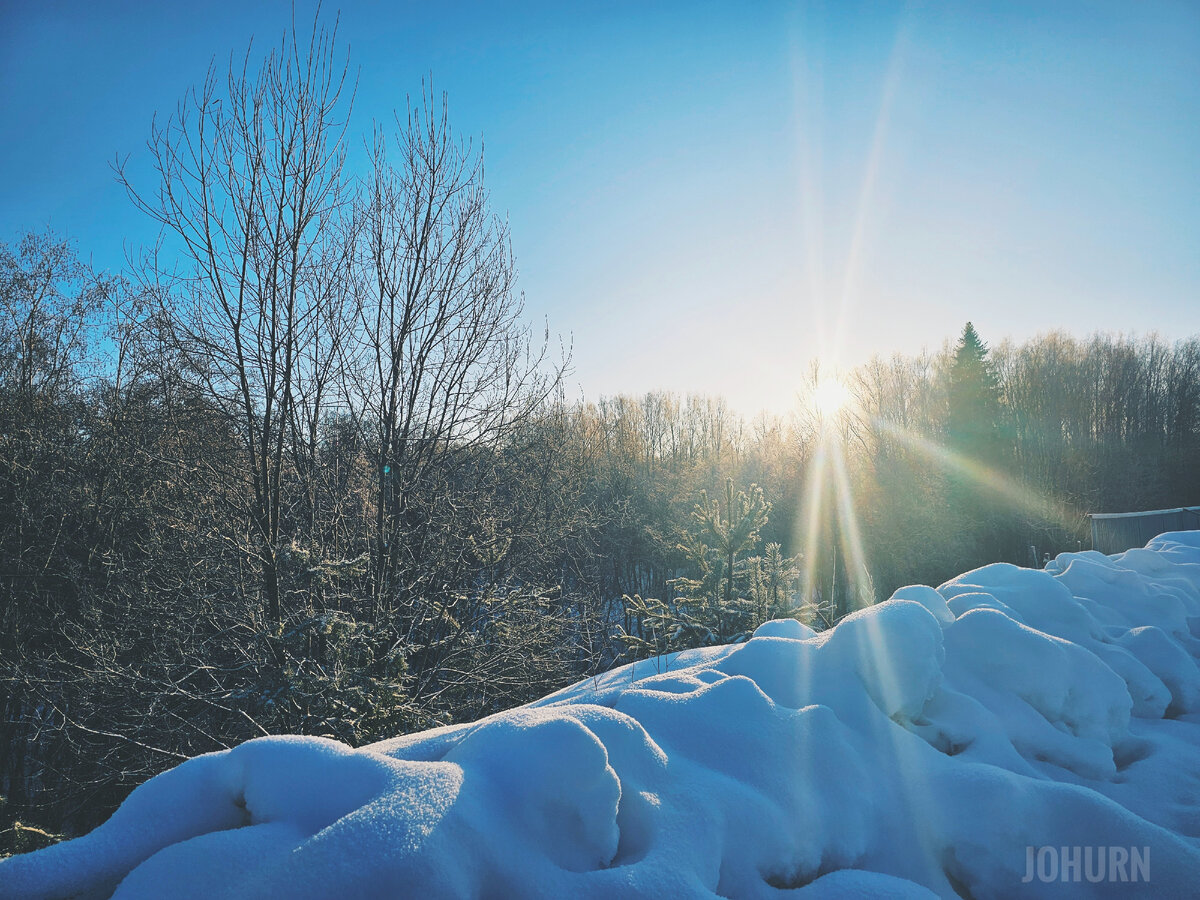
709 196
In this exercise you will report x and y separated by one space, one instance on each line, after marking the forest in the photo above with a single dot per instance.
305 467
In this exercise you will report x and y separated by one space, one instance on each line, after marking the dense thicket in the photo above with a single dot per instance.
315 475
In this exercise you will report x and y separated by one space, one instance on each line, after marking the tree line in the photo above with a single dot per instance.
304 467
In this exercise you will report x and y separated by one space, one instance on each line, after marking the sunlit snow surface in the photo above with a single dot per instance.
920 747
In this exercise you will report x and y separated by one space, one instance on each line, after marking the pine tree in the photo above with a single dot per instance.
976 436
734 530
973 426
774 579
707 611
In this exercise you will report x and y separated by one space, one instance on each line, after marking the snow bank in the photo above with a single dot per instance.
950 742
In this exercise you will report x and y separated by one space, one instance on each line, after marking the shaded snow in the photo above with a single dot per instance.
917 749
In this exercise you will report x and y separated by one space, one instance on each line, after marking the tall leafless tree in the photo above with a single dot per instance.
250 187
442 363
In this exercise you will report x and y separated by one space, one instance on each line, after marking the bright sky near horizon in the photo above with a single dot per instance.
709 196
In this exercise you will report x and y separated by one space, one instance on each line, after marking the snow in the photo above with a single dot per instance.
927 746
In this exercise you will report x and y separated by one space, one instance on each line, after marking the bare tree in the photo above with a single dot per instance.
49 303
249 190
442 364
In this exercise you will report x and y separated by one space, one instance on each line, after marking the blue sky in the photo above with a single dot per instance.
709 196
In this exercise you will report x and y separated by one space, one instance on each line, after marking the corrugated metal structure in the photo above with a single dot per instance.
1117 532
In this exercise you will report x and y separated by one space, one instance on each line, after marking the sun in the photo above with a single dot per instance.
830 396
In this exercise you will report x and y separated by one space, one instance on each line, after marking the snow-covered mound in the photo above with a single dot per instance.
1014 732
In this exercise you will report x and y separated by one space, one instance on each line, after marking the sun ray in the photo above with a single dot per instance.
1001 486
807 70
814 491
857 569
867 190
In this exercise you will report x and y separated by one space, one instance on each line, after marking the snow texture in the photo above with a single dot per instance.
918 749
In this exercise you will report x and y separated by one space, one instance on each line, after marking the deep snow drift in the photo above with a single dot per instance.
929 745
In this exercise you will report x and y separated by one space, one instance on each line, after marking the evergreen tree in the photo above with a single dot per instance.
973 426
708 611
734 530
774 580
976 435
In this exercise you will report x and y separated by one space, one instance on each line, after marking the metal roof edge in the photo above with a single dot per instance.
1144 512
